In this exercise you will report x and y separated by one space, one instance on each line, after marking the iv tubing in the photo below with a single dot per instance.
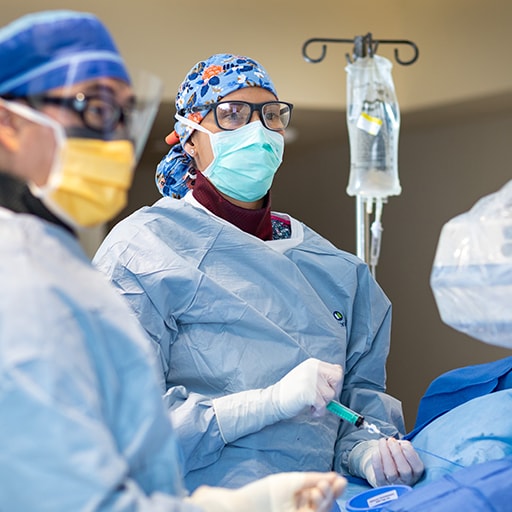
361 229
376 230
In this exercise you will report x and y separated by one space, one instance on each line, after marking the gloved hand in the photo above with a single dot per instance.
311 384
386 462
283 492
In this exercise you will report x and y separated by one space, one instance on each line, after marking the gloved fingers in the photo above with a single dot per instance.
414 461
316 498
332 374
379 477
338 485
290 492
312 383
319 492
297 389
383 462
328 386
407 461
399 463
324 394
394 463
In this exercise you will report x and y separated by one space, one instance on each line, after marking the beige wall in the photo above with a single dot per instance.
463 43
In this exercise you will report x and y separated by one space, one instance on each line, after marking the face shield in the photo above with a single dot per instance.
148 91
101 108
100 127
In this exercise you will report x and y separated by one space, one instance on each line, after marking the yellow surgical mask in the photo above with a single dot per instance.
90 178
92 182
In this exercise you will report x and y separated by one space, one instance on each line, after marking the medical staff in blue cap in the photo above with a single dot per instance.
82 422
258 322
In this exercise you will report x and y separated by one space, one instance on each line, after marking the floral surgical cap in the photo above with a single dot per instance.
206 83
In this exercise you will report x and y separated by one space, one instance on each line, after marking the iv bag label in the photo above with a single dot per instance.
369 123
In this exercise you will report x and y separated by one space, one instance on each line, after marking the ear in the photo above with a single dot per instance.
9 129
190 147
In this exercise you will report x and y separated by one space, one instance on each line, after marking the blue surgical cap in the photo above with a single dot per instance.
50 49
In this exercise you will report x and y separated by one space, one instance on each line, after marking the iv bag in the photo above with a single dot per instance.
373 120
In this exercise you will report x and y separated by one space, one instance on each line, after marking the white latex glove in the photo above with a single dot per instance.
386 462
283 492
311 384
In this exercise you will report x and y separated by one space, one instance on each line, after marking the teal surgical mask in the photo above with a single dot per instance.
245 160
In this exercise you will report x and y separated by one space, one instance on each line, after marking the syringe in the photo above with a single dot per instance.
358 421
352 417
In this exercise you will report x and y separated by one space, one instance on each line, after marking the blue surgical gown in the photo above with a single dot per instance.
82 424
228 312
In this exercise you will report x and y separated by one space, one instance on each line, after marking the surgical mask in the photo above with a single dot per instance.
472 273
90 178
245 160
93 180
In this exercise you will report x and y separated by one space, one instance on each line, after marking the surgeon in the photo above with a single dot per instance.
82 423
258 322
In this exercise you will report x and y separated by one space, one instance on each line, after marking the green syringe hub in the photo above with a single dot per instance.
345 413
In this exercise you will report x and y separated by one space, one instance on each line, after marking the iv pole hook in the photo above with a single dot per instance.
363 45
324 48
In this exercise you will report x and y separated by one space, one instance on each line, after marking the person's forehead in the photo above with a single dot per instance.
251 94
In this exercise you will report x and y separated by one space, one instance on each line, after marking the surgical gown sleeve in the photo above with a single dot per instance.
82 426
137 266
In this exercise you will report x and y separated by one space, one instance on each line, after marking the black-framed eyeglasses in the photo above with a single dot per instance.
98 113
230 115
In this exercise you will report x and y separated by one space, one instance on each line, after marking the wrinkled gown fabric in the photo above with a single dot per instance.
81 418
228 312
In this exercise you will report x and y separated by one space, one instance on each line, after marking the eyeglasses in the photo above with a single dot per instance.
98 113
230 115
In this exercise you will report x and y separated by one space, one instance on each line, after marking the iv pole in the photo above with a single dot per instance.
363 46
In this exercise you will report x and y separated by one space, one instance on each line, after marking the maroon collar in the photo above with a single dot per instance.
254 222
